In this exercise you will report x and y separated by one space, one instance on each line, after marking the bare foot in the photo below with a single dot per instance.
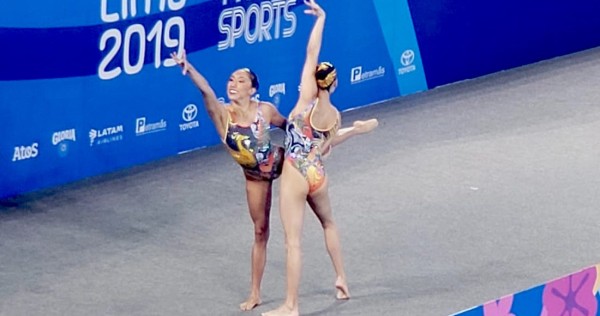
365 126
283 310
250 303
342 289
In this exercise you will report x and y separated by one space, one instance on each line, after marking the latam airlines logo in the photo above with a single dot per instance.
106 135
60 140
358 75
142 127
407 59
25 152
188 115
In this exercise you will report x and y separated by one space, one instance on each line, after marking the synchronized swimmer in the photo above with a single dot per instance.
312 129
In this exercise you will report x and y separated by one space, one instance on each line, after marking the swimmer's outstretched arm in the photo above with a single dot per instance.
215 109
308 84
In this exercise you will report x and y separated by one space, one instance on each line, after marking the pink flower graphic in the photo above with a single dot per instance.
500 307
572 295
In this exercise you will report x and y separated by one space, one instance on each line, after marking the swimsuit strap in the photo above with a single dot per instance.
259 115
334 125
227 125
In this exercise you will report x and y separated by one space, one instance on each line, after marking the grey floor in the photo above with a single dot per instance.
463 194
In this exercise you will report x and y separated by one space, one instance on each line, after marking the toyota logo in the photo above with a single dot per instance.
189 112
407 57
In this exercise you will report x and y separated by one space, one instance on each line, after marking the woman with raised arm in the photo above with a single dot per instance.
312 129
243 126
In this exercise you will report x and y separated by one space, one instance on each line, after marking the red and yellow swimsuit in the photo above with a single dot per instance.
303 146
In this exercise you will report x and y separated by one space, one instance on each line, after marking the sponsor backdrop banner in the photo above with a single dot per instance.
87 87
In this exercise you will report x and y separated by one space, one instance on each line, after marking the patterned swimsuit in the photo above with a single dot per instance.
250 146
303 147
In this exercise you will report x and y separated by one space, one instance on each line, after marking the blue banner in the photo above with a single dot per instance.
88 87
466 39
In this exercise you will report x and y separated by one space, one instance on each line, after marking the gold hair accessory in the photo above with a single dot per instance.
328 80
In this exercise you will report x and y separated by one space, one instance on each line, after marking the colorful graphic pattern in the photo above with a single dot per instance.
303 147
572 295
251 147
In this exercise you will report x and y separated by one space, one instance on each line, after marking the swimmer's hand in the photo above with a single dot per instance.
181 61
314 9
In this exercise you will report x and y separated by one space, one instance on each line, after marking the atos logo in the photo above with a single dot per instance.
25 152
188 115
407 59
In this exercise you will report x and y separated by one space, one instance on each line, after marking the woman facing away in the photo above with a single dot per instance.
312 130
243 126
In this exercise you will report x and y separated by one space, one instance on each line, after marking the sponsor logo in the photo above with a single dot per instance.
276 91
142 127
407 59
105 135
25 152
276 88
59 139
188 115
62 136
357 75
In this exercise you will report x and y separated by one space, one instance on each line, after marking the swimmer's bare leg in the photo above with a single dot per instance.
358 128
259 203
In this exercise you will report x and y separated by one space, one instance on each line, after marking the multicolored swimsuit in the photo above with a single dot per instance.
303 146
250 146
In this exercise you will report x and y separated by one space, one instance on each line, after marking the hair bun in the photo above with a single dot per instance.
325 75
